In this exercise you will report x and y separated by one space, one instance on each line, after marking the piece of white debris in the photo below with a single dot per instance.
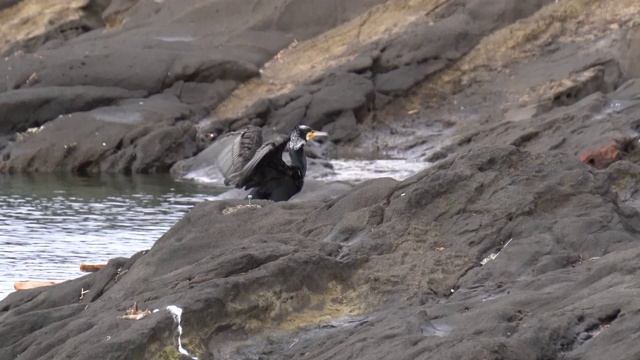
176 312
494 255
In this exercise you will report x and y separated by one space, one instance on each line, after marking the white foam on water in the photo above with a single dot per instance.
360 170
353 171
206 175
176 312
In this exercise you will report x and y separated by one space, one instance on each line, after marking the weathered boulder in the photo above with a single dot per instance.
497 253
143 136
26 108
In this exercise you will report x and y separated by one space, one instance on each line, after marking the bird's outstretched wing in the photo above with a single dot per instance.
234 150
266 161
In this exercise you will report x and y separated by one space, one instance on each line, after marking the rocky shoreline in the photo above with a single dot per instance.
518 242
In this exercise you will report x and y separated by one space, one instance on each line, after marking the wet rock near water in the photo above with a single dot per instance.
497 253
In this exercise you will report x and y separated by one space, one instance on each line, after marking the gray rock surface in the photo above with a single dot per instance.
497 253
196 50
511 246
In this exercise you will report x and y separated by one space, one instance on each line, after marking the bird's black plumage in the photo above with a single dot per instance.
248 163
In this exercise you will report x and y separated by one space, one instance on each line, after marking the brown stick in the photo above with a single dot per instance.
91 267
25 285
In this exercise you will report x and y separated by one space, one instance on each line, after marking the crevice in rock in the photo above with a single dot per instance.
593 330
250 262
83 168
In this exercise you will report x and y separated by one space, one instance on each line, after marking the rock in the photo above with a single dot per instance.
207 94
27 108
631 51
615 150
458 26
174 48
339 92
113 15
204 69
197 51
602 157
293 113
145 136
509 247
385 265
402 79
628 91
358 65
345 128
580 85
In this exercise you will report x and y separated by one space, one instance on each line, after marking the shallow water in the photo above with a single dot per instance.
351 171
49 225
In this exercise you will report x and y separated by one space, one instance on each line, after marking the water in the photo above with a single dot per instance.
351 171
49 224
354 171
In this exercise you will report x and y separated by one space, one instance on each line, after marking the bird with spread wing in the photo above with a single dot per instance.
246 162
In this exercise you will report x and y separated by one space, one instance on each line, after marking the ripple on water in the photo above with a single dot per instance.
48 225
360 170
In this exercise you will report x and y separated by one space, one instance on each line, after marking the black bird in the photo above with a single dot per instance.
247 163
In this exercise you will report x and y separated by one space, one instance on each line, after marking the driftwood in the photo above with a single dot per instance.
91 267
25 285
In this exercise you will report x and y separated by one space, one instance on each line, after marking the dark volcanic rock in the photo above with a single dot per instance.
455 28
26 108
197 51
143 136
497 254
339 93
370 74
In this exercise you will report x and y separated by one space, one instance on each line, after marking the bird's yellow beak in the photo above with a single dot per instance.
312 134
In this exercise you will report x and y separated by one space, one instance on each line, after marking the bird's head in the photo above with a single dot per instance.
301 134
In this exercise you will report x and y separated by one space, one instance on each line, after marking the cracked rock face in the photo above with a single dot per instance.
389 270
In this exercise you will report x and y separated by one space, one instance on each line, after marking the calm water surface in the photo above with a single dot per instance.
49 224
